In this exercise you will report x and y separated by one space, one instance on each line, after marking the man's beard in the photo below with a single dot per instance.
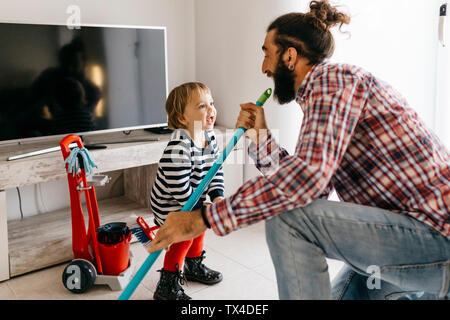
284 84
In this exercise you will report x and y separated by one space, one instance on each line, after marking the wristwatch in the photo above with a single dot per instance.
204 217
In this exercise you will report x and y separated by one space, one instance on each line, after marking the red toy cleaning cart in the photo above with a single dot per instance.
95 261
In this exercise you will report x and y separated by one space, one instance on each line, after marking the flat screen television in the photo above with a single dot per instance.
55 80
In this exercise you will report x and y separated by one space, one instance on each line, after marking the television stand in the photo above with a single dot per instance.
37 152
159 130
87 145
95 146
99 146
52 149
44 239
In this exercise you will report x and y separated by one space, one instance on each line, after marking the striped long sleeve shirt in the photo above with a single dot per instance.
359 137
180 170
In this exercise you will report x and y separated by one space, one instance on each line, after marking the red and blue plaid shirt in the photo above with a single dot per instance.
358 137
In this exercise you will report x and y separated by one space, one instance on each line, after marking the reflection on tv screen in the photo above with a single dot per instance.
55 80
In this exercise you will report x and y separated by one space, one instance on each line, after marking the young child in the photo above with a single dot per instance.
187 158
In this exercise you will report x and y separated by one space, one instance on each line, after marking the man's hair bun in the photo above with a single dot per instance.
309 33
323 16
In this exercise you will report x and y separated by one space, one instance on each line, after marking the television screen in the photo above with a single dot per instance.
55 80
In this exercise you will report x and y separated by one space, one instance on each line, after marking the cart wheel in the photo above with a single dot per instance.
79 276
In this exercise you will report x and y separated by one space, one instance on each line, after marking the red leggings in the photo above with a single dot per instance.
178 251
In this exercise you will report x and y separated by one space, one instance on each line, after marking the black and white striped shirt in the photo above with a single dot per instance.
180 170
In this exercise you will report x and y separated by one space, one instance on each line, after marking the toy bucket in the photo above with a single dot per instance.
114 247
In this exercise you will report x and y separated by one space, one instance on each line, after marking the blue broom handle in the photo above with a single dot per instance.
192 201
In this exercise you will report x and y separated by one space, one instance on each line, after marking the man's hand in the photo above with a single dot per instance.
252 118
179 226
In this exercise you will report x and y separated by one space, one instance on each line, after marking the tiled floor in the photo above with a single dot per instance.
242 257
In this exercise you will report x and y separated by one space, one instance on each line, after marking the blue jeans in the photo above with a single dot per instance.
386 255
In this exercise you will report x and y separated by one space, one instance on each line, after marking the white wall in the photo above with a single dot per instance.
397 41
442 115
230 35
176 15
394 39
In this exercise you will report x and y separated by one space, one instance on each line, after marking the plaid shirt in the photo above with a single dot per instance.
359 137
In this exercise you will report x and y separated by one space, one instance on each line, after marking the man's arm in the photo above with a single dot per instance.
328 126
179 226
266 154
264 150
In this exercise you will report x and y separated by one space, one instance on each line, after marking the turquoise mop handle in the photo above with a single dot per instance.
192 201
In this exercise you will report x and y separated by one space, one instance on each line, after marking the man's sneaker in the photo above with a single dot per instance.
169 286
195 270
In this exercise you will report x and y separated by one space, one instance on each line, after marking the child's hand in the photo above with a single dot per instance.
218 199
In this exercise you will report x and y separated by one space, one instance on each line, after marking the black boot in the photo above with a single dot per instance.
195 270
169 286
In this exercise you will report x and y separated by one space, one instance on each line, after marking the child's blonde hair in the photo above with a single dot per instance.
177 100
